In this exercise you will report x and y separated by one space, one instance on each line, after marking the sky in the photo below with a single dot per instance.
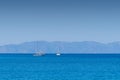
59 20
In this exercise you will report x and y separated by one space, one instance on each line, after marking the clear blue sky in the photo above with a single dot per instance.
59 20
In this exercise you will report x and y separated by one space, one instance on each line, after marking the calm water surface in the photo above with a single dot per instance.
64 67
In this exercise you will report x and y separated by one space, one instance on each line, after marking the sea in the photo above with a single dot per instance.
64 67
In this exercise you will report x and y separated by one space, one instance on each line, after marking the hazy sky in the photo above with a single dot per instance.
59 20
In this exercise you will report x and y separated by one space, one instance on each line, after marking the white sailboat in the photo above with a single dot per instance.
38 52
58 53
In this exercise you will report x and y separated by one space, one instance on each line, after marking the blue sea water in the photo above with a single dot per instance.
64 67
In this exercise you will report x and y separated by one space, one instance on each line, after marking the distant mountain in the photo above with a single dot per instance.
65 47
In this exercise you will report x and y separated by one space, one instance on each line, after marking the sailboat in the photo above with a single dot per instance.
38 53
58 53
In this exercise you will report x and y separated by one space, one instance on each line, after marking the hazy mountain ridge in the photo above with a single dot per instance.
65 47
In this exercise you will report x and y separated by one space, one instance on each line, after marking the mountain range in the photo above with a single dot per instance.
64 47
